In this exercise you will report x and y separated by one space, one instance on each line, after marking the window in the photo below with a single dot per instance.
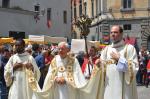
85 7
127 27
49 14
80 8
5 3
93 38
75 12
71 12
74 35
37 7
148 43
65 16
92 4
96 7
17 34
127 4
148 4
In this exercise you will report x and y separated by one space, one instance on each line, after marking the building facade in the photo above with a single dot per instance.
19 18
132 15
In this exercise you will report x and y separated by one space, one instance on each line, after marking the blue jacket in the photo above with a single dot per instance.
40 60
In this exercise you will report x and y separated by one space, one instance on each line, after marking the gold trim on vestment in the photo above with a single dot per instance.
33 83
95 70
69 71
130 74
31 80
108 62
54 71
61 69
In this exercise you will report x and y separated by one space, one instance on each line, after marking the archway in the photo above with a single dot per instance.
148 43
145 34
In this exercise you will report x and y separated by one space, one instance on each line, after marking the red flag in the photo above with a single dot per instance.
49 24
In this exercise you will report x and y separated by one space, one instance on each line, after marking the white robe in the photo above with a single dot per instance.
114 78
80 89
18 80
65 91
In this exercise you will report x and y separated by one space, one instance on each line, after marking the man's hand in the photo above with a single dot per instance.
29 66
98 62
115 55
60 80
17 65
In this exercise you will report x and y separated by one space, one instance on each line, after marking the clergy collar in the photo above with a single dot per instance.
118 44
63 57
22 54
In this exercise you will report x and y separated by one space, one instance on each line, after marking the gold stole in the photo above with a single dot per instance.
33 83
127 76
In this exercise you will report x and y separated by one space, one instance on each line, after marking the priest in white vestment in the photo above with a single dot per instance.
66 81
68 74
119 65
16 71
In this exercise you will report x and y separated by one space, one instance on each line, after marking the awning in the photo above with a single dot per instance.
6 40
46 39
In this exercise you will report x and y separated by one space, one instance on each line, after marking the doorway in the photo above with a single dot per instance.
148 43
17 34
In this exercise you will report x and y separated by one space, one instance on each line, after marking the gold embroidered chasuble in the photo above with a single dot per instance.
76 86
119 85
18 80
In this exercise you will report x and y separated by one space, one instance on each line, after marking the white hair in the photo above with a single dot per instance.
63 44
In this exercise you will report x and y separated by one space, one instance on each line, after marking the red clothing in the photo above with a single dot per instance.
148 65
48 59
86 61
84 64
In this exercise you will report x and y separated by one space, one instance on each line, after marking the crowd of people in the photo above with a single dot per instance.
52 72
143 73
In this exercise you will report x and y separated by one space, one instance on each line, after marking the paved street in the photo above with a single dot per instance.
143 92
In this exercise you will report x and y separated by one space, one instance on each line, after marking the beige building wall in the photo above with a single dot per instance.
114 8
88 11
139 9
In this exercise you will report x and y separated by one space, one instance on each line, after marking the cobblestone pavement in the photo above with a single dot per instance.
143 92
